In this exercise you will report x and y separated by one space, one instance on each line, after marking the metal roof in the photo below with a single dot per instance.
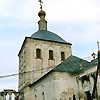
94 62
72 64
49 36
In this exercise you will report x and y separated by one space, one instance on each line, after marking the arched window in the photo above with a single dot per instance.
43 96
62 56
38 53
50 54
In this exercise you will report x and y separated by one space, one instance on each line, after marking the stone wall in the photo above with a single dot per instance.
31 67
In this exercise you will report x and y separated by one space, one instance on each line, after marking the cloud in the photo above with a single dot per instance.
78 31
7 7
76 21
8 83
72 10
61 10
82 35
19 9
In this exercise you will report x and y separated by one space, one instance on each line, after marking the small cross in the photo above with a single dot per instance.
40 4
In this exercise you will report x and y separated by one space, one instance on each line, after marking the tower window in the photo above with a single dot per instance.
62 56
43 96
50 54
38 53
35 97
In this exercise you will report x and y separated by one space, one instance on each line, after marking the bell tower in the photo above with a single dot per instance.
40 52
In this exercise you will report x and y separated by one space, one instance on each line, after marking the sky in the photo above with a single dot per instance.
76 21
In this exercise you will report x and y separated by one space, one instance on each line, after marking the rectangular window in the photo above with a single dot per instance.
38 53
50 54
62 56
43 96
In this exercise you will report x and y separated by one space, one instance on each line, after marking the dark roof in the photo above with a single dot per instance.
72 64
49 36
94 62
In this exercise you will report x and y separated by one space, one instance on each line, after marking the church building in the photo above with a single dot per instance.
49 71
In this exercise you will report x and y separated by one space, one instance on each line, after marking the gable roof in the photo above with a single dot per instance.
72 64
48 36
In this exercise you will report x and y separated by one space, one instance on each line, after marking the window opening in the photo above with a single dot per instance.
62 56
38 53
43 96
50 54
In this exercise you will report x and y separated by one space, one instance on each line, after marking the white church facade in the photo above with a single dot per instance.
49 71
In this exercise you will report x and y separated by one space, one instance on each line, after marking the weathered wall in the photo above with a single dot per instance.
36 67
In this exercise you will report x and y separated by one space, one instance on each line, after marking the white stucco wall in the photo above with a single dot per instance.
55 86
36 67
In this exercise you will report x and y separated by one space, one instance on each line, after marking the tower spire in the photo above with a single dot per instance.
42 23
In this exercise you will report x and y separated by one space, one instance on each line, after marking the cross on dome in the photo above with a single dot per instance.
42 23
40 4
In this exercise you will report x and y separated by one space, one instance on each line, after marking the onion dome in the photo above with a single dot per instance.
41 13
42 23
